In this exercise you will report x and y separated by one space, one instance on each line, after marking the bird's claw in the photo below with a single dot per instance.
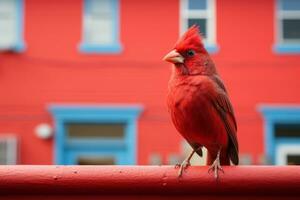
177 165
216 167
182 167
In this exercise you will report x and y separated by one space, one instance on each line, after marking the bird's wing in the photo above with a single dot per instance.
219 82
224 109
224 100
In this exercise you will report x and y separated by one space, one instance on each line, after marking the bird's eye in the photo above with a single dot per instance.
190 53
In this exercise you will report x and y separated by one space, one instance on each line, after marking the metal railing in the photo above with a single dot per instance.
157 181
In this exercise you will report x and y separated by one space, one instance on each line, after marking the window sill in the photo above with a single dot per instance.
287 48
212 48
101 49
17 48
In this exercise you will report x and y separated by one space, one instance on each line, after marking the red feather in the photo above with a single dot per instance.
190 39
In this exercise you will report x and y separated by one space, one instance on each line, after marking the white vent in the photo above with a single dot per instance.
8 150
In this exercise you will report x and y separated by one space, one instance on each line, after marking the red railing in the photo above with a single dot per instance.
61 182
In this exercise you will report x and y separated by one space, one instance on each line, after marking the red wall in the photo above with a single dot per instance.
52 70
253 73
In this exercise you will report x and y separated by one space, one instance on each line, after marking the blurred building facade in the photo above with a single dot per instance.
83 81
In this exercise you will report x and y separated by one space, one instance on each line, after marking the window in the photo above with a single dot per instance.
288 154
282 134
202 13
288 26
95 135
8 150
95 130
101 26
11 28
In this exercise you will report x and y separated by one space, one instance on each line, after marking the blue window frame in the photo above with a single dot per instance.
287 27
277 145
69 149
11 25
197 4
100 32
203 14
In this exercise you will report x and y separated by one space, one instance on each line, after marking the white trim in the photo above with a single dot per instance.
209 14
182 20
288 14
277 24
283 150
194 14
211 30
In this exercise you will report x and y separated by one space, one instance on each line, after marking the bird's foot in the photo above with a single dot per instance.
215 167
182 167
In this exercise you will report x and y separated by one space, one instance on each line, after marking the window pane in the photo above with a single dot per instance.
100 8
101 131
287 130
8 23
197 4
291 29
290 5
88 160
201 23
293 159
99 22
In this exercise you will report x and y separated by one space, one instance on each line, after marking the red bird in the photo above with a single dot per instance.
199 105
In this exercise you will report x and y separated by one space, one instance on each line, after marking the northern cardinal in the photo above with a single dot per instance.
199 105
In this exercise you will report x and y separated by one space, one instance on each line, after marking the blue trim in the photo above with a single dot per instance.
288 141
59 141
269 140
20 46
274 114
93 48
197 5
288 5
212 48
115 47
287 48
126 114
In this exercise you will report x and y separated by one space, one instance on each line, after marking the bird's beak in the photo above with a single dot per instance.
174 57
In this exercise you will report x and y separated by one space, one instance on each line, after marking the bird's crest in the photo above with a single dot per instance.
190 39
